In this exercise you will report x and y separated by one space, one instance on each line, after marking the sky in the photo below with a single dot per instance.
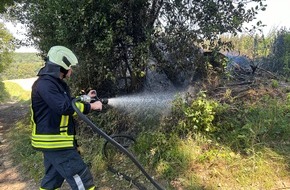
277 15
18 31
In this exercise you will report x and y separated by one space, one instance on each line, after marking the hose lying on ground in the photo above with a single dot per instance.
114 143
126 141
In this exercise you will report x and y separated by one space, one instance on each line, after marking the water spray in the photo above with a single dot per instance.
153 102
147 101
86 98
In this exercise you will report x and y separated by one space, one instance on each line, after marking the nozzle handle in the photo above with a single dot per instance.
88 99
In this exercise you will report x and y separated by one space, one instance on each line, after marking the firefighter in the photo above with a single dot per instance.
53 126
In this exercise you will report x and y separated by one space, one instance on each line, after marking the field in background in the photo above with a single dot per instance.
25 65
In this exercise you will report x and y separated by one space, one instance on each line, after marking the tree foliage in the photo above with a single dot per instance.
114 39
24 65
279 58
4 4
251 45
6 47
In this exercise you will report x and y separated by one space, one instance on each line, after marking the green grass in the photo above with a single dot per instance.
200 163
249 148
13 92
217 166
30 161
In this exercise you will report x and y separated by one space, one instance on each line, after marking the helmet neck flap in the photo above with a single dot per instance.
50 69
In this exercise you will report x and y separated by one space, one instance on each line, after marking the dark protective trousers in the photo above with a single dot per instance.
66 164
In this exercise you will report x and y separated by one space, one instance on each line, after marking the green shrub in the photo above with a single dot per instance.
195 116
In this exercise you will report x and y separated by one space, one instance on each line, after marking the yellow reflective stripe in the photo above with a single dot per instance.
47 189
33 125
63 124
64 121
62 144
63 130
92 188
80 106
51 138
52 141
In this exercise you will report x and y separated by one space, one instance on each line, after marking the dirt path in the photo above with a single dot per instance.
10 176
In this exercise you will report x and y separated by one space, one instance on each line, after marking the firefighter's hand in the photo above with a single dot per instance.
96 106
92 93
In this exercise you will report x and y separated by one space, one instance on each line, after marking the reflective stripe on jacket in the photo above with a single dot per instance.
53 126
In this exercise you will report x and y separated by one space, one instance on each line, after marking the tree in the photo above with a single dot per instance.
114 39
279 58
6 47
4 4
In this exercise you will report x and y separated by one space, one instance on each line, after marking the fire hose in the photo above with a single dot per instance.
85 98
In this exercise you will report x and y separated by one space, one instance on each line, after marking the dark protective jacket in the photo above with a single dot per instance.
53 126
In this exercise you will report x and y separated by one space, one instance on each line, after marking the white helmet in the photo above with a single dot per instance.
62 56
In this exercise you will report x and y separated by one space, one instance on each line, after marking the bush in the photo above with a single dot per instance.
194 116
